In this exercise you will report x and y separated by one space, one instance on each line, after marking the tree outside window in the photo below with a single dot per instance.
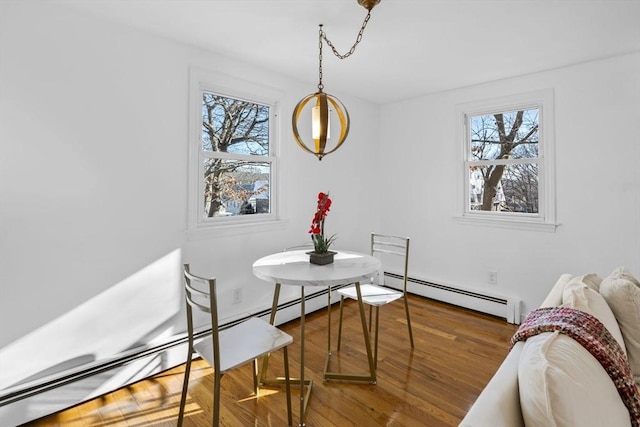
235 155
503 161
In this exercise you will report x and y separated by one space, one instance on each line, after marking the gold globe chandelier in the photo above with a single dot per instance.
321 111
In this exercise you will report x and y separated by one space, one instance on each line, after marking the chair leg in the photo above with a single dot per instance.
216 398
255 376
329 321
406 309
185 387
340 324
288 386
375 353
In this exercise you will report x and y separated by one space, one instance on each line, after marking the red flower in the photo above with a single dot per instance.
321 244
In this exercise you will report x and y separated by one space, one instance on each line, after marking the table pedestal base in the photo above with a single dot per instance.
301 382
371 376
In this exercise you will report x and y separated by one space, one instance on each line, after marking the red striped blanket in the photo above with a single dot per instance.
596 339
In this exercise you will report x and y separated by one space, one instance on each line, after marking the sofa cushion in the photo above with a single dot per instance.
562 385
591 280
554 297
579 294
557 377
502 393
622 292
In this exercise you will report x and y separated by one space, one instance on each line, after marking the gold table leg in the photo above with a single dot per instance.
371 377
304 397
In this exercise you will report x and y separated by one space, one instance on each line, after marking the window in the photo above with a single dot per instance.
502 161
508 174
236 166
232 153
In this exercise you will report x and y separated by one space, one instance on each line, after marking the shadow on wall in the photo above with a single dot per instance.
140 310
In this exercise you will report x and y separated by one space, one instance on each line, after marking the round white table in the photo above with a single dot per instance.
294 268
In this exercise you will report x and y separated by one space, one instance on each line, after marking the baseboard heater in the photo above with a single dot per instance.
43 396
507 307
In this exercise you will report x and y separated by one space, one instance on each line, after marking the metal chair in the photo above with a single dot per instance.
377 294
225 350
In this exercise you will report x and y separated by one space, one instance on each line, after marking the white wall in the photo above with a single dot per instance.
93 185
597 134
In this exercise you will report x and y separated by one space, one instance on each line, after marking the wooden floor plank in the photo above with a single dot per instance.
456 353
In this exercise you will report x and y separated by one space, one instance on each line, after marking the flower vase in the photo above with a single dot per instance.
321 259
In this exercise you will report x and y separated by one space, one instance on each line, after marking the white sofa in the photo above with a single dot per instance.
551 380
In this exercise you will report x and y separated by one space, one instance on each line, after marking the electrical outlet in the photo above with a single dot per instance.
237 296
492 278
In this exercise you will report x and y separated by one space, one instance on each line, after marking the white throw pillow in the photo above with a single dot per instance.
554 297
622 292
562 385
591 280
579 294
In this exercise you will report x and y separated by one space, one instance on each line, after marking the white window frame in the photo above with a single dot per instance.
198 227
545 219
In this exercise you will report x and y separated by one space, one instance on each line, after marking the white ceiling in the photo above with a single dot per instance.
410 47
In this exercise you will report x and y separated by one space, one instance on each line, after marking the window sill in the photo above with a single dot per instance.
234 229
520 224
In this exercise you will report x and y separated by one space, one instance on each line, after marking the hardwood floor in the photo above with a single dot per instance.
457 351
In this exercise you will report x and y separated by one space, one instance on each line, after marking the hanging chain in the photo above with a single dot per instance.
320 85
323 35
353 48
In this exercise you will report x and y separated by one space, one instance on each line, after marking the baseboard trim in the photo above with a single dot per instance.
24 391
12 399
507 307
498 300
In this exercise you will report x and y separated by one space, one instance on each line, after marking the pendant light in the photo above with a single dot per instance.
324 103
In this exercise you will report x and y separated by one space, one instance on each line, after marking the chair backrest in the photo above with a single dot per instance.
397 246
200 295
300 247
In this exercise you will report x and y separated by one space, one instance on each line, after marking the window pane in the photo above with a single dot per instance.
236 187
507 135
504 188
234 126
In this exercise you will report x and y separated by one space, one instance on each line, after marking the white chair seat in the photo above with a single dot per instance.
225 350
372 294
243 343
